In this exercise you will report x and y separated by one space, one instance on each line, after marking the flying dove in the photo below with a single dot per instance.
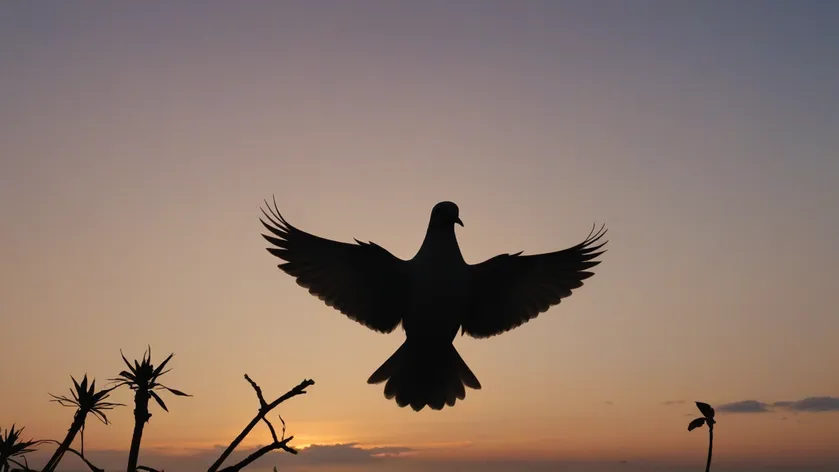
433 295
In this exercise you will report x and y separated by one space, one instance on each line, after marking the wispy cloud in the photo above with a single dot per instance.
351 453
811 404
744 406
673 402
805 405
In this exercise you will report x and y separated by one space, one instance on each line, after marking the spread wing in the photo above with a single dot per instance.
363 281
509 290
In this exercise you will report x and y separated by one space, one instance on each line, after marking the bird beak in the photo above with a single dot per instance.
458 222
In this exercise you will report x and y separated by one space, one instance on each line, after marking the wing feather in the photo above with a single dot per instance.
363 281
508 290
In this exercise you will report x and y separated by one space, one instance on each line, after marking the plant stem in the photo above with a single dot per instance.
92 467
710 447
78 423
141 416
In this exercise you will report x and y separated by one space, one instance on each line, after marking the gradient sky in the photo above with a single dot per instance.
137 142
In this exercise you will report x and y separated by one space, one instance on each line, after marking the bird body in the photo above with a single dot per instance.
433 296
438 272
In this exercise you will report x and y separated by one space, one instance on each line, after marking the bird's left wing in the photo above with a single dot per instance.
508 290
363 281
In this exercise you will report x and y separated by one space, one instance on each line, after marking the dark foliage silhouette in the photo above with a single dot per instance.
13 449
707 418
143 378
433 295
86 400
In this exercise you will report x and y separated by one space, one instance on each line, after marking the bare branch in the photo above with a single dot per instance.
271 428
264 409
262 403
261 452
283 422
147 469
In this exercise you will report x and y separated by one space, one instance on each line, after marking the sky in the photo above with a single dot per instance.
138 141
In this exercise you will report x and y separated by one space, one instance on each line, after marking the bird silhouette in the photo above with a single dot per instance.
433 295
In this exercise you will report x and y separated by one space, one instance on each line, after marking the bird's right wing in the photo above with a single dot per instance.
363 281
510 289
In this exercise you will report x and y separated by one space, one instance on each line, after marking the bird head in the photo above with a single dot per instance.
445 214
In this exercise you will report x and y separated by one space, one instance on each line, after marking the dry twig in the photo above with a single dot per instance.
264 409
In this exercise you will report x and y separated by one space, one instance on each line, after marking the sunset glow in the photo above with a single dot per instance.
139 140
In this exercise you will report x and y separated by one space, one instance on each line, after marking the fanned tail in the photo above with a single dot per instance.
420 374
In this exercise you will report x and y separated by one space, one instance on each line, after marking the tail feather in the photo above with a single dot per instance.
466 374
390 366
423 374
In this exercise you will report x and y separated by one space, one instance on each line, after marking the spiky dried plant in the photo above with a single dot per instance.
12 447
85 399
143 377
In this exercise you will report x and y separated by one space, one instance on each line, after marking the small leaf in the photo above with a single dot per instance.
126 361
100 415
159 400
161 366
176 392
128 376
697 423
119 383
706 409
